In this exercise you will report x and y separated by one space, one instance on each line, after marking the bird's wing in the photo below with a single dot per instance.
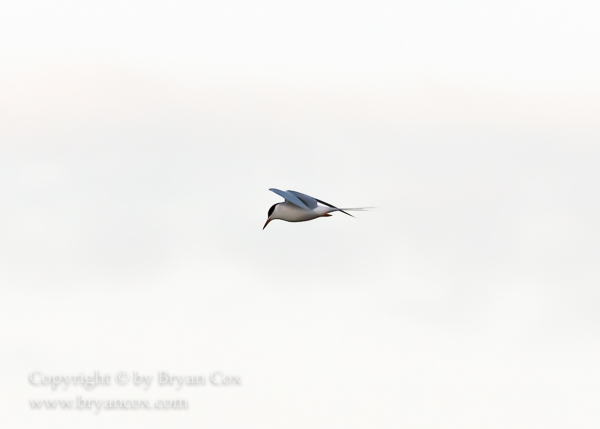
290 197
310 202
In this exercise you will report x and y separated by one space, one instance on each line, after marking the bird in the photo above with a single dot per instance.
299 207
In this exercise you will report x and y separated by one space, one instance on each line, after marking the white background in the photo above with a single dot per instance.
138 140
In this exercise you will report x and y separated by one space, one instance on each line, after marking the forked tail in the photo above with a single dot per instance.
343 210
353 209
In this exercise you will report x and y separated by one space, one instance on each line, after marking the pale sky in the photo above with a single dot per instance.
138 141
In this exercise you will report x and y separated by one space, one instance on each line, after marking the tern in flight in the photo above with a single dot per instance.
299 207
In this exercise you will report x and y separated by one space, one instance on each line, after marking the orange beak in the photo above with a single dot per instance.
268 220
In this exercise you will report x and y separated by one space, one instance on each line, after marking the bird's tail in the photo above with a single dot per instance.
353 209
335 209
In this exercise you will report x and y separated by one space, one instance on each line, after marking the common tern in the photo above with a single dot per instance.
299 207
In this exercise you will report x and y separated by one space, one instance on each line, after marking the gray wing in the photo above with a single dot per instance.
290 197
310 202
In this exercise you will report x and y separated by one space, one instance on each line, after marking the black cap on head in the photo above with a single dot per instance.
271 209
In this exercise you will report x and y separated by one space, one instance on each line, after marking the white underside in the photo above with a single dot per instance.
292 213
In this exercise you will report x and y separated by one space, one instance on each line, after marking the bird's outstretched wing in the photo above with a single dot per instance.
310 202
290 197
304 201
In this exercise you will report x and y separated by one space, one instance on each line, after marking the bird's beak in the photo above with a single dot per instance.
268 220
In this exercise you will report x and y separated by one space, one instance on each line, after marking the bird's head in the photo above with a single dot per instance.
271 215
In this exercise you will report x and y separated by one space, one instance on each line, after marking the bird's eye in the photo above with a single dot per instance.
271 210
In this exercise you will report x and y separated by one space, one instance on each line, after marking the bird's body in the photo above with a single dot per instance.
299 207
292 213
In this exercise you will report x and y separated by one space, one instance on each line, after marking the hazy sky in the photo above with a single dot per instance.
138 141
